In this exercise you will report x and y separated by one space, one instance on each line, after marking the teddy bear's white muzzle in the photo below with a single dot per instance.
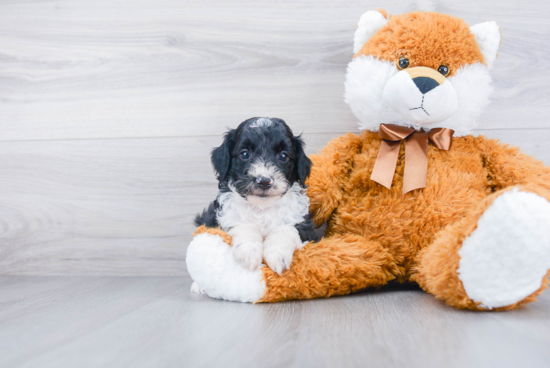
421 95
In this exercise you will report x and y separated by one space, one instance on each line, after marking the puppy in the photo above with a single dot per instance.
262 203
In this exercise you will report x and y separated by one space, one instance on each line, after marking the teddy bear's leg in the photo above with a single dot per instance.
215 272
333 266
337 265
498 257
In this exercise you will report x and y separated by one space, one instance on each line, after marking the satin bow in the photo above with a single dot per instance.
416 154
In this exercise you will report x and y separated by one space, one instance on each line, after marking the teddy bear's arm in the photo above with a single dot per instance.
508 166
330 168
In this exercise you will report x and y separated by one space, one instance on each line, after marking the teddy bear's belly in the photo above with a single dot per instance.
404 223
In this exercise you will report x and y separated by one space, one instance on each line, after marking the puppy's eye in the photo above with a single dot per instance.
245 155
403 63
283 157
444 69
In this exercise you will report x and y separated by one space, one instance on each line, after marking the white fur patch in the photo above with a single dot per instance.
210 264
402 94
290 209
247 245
195 288
366 80
279 247
473 87
263 202
487 36
264 231
261 123
265 169
369 23
506 258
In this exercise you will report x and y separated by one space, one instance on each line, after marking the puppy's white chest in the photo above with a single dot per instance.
266 219
289 210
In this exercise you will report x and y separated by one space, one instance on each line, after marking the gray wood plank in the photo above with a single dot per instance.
120 206
116 207
77 309
156 322
106 69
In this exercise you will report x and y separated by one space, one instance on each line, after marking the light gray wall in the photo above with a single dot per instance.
108 111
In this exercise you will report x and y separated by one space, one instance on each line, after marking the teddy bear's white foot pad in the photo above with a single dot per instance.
211 265
506 258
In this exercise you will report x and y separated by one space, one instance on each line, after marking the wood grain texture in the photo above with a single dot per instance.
115 207
109 110
105 69
120 206
156 322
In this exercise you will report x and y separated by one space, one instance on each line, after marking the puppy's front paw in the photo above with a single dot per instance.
278 259
279 248
248 254
195 288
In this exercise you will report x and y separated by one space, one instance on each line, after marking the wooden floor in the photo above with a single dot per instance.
108 113
156 322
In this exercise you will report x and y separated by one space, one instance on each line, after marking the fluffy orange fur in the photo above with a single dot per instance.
214 231
436 266
376 235
426 39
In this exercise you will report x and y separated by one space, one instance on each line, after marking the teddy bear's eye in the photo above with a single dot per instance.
444 69
403 63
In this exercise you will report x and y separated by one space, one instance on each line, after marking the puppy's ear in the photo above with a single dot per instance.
221 156
303 163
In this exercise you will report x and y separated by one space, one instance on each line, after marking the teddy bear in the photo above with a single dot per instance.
415 197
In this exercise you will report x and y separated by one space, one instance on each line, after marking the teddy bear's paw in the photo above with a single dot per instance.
211 265
279 247
507 256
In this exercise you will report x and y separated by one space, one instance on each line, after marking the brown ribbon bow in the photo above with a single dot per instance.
416 154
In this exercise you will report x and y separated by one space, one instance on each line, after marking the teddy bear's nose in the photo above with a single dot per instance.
425 84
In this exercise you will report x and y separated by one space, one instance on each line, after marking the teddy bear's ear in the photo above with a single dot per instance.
488 39
368 25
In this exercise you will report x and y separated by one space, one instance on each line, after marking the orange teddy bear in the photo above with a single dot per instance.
414 197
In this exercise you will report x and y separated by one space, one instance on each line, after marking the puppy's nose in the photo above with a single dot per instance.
425 84
264 182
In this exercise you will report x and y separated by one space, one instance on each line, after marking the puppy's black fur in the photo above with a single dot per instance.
273 143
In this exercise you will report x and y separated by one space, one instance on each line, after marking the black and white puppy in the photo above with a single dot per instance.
262 203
